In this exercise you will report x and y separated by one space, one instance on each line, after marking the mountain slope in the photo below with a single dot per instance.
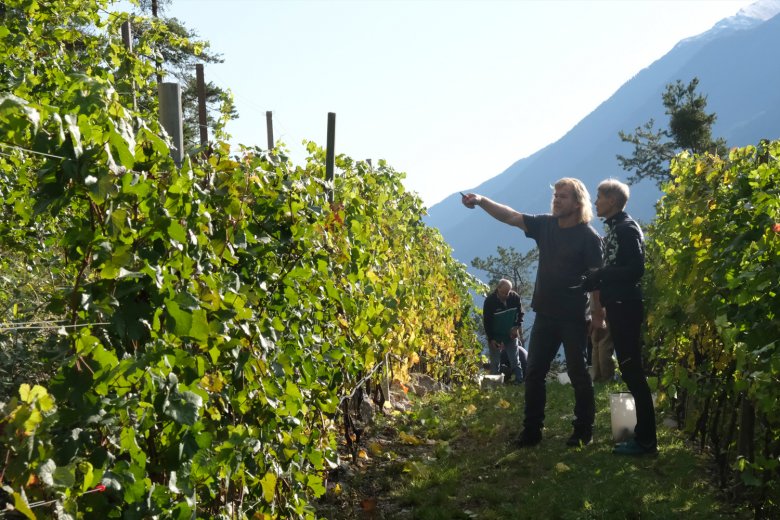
735 65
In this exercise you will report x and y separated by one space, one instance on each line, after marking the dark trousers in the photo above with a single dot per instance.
547 335
625 320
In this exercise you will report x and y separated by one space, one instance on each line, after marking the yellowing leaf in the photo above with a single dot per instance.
21 507
213 382
413 468
343 322
24 392
214 413
32 422
470 409
561 467
362 454
269 487
316 485
289 453
503 403
409 439
375 449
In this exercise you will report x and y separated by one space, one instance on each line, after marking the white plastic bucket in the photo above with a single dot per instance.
623 414
491 381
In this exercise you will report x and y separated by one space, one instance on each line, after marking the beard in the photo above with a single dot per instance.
564 212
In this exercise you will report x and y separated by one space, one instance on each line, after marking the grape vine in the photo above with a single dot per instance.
714 322
209 319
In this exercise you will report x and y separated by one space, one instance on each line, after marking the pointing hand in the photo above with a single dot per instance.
470 200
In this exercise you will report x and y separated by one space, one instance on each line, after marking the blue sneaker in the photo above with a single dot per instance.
633 448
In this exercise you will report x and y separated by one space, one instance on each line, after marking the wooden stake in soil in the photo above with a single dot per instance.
330 155
171 117
201 83
269 128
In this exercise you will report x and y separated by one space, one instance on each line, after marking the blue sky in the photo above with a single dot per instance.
450 92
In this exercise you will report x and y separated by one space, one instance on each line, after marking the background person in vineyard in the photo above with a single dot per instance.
620 293
502 314
603 366
568 248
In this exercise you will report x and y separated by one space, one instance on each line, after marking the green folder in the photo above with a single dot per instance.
502 325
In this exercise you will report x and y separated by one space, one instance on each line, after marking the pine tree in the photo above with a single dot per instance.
690 128
176 57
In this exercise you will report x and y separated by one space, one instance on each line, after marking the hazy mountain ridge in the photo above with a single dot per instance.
733 62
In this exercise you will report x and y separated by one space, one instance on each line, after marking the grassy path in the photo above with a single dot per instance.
450 457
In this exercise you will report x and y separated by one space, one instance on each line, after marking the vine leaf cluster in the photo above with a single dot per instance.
713 294
206 320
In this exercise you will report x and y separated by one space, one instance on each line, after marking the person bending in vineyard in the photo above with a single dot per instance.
568 248
502 314
618 283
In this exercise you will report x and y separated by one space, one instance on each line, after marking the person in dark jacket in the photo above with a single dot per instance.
505 335
618 283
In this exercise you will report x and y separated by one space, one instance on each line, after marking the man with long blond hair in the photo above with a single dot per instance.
569 248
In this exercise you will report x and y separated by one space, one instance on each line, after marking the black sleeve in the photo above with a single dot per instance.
631 257
517 304
594 252
532 224
488 310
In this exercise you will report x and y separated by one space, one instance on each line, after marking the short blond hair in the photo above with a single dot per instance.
581 196
617 189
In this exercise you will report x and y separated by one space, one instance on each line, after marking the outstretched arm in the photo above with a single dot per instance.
498 211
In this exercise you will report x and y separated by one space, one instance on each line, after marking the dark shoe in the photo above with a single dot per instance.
633 448
580 438
528 438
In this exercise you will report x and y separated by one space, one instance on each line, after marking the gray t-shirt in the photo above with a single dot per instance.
565 254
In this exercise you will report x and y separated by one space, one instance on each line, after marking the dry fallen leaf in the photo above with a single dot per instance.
409 439
368 504
414 469
375 449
